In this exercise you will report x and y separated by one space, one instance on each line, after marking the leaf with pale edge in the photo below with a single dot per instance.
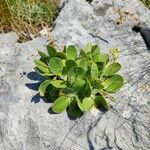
71 52
42 88
113 83
111 69
85 104
58 83
60 104
55 65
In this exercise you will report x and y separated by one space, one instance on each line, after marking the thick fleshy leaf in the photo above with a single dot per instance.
78 84
94 71
111 69
43 55
51 51
61 55
42 66
58 83
87 48
70 63
83 63
87 89
68 91
83 55
85 104
113 83
64 49
60 104
64 71
42 88
101 101
55 65
71 52
97 84
95 53
76 72
37 70
104 58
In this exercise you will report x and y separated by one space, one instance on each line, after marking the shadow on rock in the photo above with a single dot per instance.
33 76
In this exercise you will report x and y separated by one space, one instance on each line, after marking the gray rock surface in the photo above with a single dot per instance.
26 124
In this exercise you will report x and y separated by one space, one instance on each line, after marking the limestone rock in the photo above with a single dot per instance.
26 124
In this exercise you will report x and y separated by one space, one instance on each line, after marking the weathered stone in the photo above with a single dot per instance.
26 123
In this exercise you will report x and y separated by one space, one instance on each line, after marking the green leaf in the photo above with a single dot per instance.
87 48
70 63
71 52
83 63
101 101
51 51
68 91
104 58
55 65
100 66
111 69
42 88
97 84
78 84
61 55
76 72
64 49
43 55
42 66
64 71
85 104
83 55
37 70
113 83
60 104
95 53
58 83
87 89
94 71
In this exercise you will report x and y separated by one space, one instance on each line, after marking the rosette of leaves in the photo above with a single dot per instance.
77 82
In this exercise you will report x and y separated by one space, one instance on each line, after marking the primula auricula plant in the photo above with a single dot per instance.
78 82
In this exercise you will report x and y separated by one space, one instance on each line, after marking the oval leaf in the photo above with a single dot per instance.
94 71
58 83
60 104
87 89
104 58
83 63
78 84
95 52
42 88
55 65
70 63
85 104
43 55
51 51
61 55
42 66
71 52
111 69
76 72
87 48
113 83
97 84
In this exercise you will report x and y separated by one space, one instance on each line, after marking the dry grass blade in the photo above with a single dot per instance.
27 17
